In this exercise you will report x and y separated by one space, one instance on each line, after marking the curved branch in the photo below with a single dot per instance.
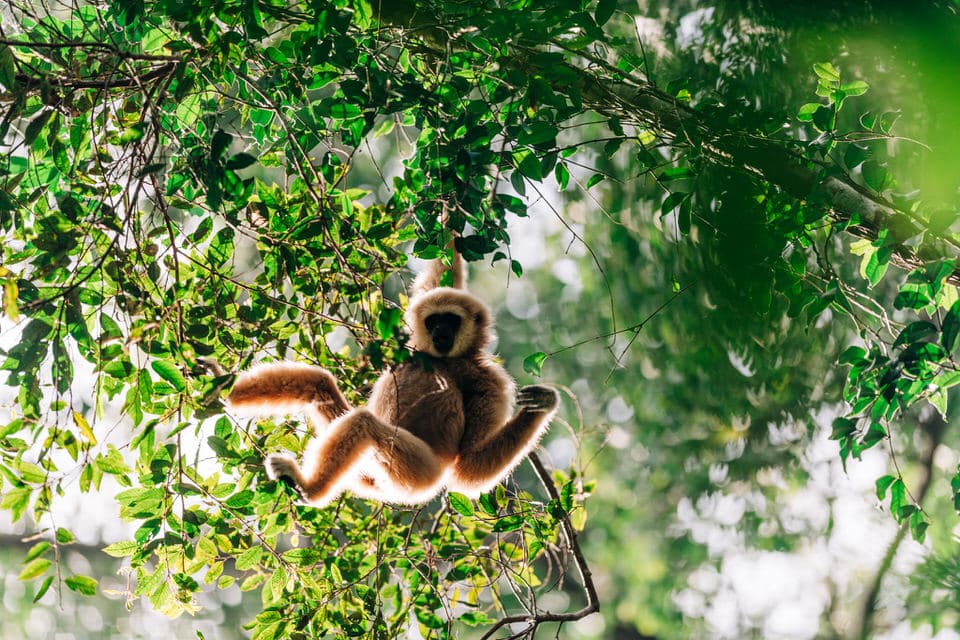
586 577
934 427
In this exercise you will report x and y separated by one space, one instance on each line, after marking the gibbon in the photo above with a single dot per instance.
441 420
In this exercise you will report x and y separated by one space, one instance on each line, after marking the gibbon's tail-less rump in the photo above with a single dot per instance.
443 419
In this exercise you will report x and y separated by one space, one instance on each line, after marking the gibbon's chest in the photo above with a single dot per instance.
426 403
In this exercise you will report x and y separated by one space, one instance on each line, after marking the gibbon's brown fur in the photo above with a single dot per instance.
448 424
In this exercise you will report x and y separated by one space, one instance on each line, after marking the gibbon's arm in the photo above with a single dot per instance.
487 458
288 387
431 276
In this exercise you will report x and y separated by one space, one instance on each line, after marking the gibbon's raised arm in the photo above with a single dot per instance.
440 420
431 276
490 456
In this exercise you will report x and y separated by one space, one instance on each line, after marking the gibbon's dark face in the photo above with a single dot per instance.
443 328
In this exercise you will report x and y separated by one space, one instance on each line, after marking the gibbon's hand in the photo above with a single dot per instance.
537 398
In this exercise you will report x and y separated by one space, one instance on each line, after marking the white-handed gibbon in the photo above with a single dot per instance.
442 419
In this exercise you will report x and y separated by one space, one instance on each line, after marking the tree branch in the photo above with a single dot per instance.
612 93
79 44
29 83
586 577
934 427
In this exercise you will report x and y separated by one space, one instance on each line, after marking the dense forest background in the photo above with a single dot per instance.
726 231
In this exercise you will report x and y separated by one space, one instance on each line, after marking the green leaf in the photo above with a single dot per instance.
475 618
202 231
595 179
843 428
823 117
303 557
875 264
121 549
604 12
460 503
533 364
947 380
537 133
8 69
854 156
875 175
806 111
34 569
826 71
44 587
36 125
390 318
488 502
248 559
83 585
528 165
950 328
918 526
169 372
508 523
133 133
855 88
684 216
562 174
915 332
874 434
883 483
672 201
913 296
955 487
853 355
37 550
240 500
112 463
30 472
898 496
16 500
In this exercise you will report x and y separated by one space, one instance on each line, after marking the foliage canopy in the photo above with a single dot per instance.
191 187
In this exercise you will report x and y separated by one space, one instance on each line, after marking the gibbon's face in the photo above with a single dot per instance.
443 329
448 323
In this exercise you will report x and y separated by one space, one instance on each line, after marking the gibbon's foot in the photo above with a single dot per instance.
283 469
537 398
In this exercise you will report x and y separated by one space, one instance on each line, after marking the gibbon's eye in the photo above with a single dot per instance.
443 328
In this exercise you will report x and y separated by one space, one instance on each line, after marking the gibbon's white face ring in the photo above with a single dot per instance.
474 317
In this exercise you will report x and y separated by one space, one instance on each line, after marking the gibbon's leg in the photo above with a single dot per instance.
289 387
329 462
480 467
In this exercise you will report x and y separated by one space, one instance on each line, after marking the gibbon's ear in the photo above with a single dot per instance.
431 277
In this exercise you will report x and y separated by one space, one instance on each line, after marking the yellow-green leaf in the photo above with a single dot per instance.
34 568
10 294
121 549
84 427
30 472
